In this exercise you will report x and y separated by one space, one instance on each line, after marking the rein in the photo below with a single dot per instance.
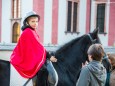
26 82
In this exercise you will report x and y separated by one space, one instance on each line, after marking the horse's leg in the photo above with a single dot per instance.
42 77
4 73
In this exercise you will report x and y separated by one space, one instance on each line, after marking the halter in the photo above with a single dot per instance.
91 38
105 56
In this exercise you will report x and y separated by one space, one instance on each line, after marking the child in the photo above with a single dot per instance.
29 55
111 58
94 73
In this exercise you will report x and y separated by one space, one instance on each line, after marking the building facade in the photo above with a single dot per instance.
60 20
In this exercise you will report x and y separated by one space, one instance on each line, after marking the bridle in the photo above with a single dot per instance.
105 58
90 37
92 41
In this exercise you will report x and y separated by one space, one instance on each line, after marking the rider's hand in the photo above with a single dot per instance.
53 59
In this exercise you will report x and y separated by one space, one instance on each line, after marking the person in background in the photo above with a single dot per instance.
94 73
29 55
111 57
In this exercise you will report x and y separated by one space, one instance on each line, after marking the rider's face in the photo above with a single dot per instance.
33 22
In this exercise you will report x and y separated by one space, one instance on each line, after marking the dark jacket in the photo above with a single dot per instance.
93 74
112 78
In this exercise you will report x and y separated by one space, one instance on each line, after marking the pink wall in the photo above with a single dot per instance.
38 7
0 18
111 32
55 21
88 14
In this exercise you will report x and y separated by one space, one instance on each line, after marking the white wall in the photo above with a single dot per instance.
82 16
6 22
26 6
5 55
47 21
62 37
103 38
61 21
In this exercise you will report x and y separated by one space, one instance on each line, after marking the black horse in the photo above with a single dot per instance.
70 58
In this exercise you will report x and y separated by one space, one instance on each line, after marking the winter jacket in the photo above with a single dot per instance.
112 78
93 74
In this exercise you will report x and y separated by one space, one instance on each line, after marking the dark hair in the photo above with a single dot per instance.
111 57
96 51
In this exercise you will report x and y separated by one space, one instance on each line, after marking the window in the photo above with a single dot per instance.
72 13
75 17
16 32
16 8
16 20
100 17
69 16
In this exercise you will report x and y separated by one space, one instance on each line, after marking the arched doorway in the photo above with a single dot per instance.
15 32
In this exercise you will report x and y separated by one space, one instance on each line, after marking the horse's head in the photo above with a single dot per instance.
94 36
76 49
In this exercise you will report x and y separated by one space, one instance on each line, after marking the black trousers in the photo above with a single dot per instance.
42 77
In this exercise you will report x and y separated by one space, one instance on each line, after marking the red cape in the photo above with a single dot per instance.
29 54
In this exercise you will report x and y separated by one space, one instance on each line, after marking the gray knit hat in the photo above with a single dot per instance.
30 14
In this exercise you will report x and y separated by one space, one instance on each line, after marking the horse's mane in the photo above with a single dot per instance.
68 44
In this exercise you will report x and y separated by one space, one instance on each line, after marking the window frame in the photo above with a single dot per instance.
97 2
16 8
72 14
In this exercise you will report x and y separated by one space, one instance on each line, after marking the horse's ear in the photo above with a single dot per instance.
96 31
